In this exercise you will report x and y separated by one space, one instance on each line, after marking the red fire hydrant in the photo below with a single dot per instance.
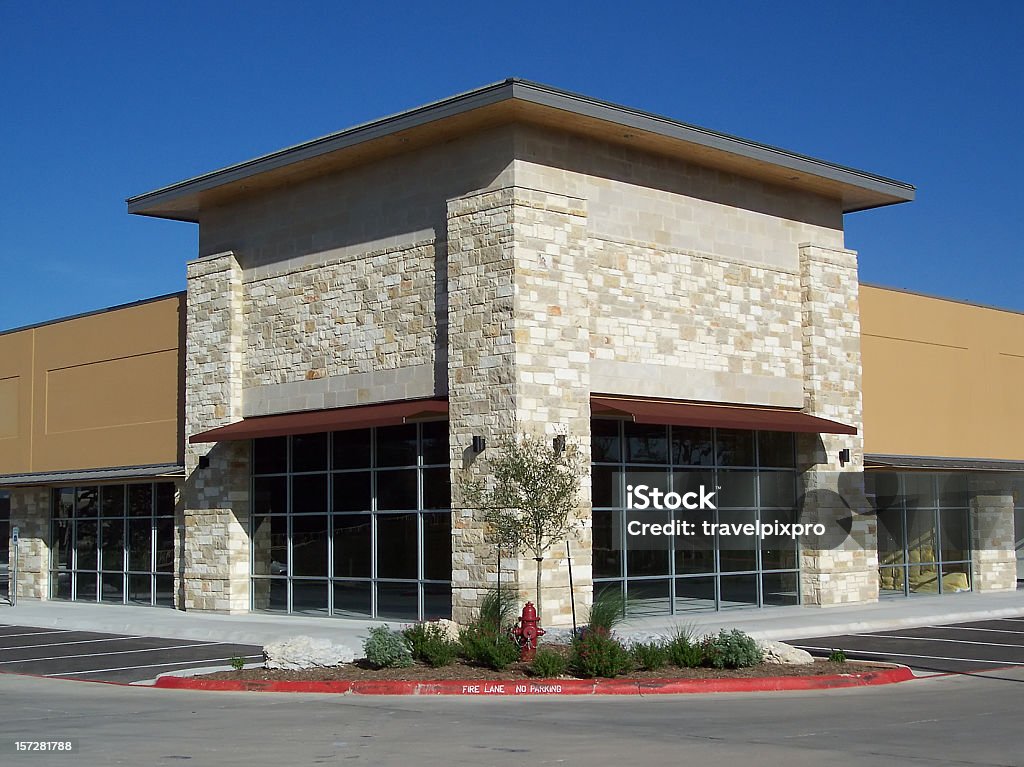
527 631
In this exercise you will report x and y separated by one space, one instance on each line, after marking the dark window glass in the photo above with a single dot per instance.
85 545
85 587
738 590
648 597
165 544
309 597
140 500
309 494
919 490
435 443
955 540
140 544
270 455
270 495
164 590
112 539
952 490
352 542
691 481
891 579
396 490
396 445
692 446
605 481
112 587
309 546
736 489
437 601
437 488
60 584
611 588
647 554
437 546
270 546
695 594
695 553
139 589
922 535
270 594
352 598
352 491
778 488
779 552
351 449
397 546
780 589
735 447
165 499
399 601
607 549
64 503
309 452
890 537
645 443
60 543
604 441
776 449
112 501
737 552
87 502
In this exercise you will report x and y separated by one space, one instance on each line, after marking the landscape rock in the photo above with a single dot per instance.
306 652
450 628
782 654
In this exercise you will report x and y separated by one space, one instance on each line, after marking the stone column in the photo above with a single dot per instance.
215 513
519 353
840 567
993 556
30 513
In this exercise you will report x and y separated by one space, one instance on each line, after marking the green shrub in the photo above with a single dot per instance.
484 647
607 612
683 650
237 662
731 649
548 664
497 609
430 644
837 656
649 656
387 649
598 654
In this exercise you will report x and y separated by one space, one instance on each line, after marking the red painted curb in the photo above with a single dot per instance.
547 686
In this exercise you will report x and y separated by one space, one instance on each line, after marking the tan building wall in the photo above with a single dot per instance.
100 390
941 377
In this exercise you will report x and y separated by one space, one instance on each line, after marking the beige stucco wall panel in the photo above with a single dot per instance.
16 401
941 378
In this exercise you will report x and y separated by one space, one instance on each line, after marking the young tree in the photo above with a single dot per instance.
529 497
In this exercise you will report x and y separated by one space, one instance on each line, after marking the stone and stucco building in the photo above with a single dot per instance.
520 260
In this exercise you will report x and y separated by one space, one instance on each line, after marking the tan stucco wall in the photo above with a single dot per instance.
100 390
941 378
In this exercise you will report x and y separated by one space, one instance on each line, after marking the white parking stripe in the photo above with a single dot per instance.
908 655
37 633
972 628
61 644
152 665
116 652
937 639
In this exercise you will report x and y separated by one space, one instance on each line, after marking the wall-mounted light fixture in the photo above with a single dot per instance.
844 456
204 462
479 444
558 444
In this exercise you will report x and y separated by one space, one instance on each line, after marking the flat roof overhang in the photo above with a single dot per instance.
939 463
79 476
677 413
516 100
315 421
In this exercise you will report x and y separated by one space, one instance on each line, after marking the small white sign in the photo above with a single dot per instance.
14 535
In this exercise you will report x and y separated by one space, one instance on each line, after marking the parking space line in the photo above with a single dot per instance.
36 633
908 655
972 628
937 639
196 662
61 644
115 652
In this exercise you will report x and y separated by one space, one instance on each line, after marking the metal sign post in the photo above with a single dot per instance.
13 585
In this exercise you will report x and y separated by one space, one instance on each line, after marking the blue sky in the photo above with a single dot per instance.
100 101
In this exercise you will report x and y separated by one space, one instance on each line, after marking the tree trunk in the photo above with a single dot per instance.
540 561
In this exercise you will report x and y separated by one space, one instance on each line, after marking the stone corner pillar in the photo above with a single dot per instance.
840 567
30 512
214 513
993 554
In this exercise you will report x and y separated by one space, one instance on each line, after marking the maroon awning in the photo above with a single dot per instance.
722 416
336 419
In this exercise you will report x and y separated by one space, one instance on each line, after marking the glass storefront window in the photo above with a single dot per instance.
755 477
353 523
113 543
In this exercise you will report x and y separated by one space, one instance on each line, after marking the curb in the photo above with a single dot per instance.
491 688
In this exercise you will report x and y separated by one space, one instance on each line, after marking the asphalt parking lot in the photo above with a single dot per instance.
88 655
960 648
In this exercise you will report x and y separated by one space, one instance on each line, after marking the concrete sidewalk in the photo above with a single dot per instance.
767 623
